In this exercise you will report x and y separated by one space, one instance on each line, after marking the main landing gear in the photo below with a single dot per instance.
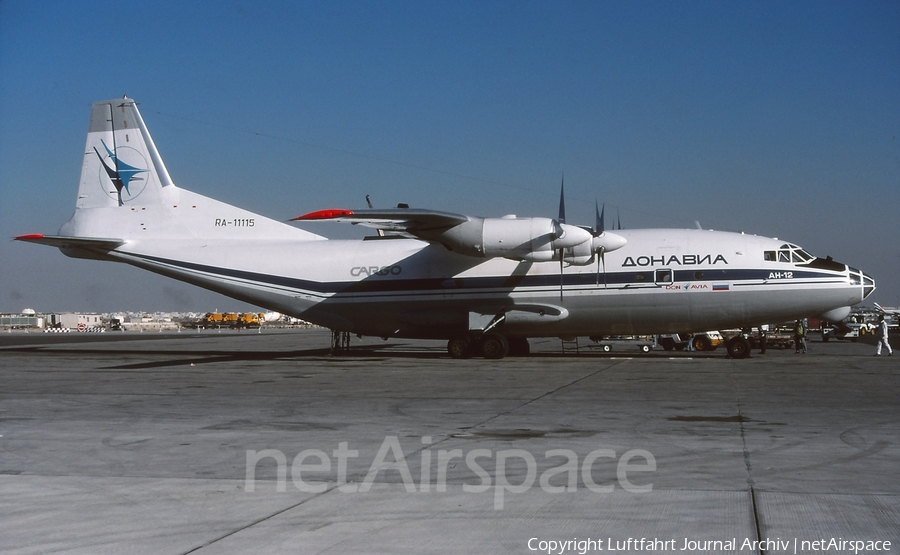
489 345
738 347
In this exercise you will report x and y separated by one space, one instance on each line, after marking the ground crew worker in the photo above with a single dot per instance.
881 332
799 337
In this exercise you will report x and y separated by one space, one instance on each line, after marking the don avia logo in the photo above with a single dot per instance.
123 174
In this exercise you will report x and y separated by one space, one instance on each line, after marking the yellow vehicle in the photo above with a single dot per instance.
212 320
233 320
249 320
703 341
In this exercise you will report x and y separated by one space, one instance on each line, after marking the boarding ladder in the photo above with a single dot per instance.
569 345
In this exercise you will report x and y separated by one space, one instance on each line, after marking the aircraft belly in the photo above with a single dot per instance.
600 312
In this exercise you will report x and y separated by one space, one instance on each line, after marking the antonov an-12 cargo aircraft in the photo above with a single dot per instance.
484 284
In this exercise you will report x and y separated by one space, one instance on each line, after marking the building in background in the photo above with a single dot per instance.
25 320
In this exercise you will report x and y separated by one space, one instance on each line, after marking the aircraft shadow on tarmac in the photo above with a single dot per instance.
189 357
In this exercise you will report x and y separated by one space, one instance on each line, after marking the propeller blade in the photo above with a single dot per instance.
561 252
598 222
562 201
558 231
603 258
561 220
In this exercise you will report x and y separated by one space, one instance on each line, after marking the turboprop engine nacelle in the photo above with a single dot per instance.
583 253
533 239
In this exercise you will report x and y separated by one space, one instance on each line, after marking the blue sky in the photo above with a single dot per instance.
774 118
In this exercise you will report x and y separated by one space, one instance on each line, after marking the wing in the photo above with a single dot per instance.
410 220
532 239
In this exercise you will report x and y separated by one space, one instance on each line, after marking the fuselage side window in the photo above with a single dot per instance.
664 276
769 256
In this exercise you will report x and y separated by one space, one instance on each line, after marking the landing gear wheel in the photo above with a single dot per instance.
738 347
518 347
702 343
461 347
494 345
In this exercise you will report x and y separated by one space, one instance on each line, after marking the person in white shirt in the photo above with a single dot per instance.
882 333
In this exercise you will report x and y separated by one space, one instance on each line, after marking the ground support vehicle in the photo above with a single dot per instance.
775 339
703 341
850 331
644 343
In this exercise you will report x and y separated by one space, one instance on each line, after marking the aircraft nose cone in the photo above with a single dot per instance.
868 284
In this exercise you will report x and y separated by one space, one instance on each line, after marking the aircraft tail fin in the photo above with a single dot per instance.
126 192
121 164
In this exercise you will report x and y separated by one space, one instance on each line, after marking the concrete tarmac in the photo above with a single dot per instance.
263 442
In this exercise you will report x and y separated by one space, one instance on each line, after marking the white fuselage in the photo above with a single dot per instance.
662 281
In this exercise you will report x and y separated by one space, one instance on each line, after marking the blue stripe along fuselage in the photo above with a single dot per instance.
395 284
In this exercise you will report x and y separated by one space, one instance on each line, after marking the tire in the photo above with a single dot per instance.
667 343
702 343
494 346
738 347
607 348
460 347
645 348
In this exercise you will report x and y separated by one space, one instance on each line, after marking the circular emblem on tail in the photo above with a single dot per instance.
123 174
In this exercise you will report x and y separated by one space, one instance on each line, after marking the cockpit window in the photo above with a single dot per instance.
789 253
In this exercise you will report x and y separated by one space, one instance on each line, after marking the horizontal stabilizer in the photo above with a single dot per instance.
64 242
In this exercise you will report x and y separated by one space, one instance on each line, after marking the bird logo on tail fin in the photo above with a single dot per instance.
121 173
